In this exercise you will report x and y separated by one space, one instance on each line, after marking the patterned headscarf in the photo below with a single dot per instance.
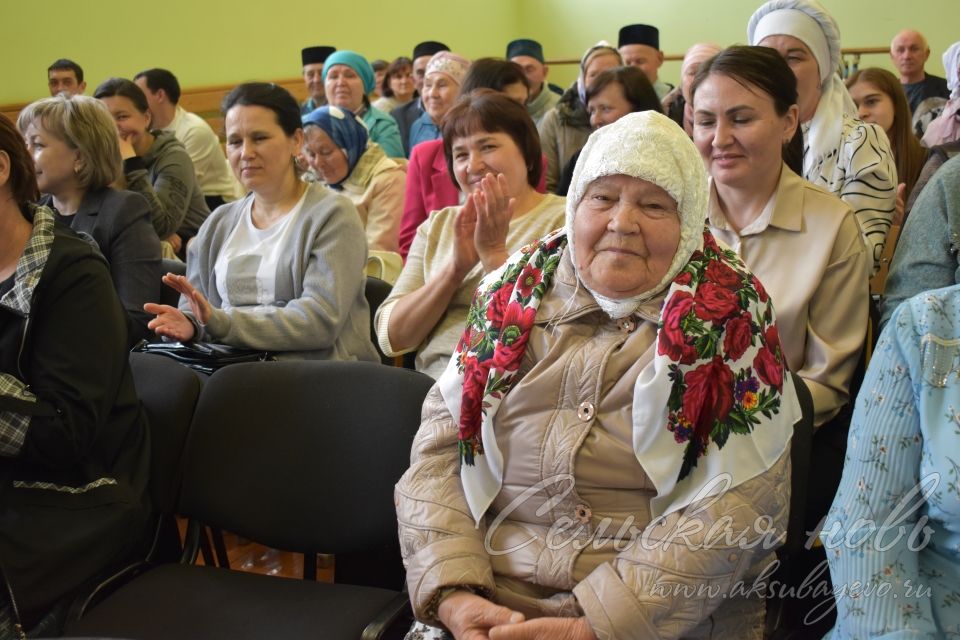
450 64
715 402
345 129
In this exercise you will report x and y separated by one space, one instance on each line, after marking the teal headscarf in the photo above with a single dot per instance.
356 62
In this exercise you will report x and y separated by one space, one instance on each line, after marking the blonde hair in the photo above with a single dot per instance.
84 124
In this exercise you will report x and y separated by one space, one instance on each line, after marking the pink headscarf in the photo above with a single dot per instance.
946 128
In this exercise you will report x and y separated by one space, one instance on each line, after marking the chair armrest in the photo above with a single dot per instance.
388 616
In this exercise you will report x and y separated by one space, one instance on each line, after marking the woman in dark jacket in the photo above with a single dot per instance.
76 154
74 449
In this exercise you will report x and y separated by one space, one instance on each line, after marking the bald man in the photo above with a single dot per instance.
909 52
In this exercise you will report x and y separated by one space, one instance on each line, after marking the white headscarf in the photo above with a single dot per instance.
946 128
809 22
601 48
951 62
650 146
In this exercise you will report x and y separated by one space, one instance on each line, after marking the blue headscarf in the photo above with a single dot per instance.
345 129
356 62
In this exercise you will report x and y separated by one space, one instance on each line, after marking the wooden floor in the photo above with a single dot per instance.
256 558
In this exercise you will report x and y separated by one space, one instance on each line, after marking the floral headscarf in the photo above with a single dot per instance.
716 400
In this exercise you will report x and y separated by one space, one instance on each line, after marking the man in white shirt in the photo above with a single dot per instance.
214 176
639 46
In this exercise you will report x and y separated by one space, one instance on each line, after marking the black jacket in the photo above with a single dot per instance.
406 115
119 222
73 498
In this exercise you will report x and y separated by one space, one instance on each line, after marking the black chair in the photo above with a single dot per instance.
169 393
376 291
778 618
168 295
300 456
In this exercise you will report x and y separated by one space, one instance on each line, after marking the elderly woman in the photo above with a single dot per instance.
609 375
77 157
441 86
347 79
74 450
842 154
155 164
492 151
280 270
566 127
892 533
678 104
337 149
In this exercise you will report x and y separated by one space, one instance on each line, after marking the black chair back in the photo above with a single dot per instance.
303 456
168 295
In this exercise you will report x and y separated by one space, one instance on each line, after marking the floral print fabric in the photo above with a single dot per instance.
719 376
893 533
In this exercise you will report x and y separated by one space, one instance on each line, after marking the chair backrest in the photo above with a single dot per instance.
169 393
168 295
376 291
303 456
800 449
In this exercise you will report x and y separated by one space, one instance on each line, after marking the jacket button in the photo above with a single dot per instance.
586 411
627 325
582 513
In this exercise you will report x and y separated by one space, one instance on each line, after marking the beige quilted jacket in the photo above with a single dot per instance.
569 534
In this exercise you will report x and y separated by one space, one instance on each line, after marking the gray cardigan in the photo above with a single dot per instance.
927 254
321 312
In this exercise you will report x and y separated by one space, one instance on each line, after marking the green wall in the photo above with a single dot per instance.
218 41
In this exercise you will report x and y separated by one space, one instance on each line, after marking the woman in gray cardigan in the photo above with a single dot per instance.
282 269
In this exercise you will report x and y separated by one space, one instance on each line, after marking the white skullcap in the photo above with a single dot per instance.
805 20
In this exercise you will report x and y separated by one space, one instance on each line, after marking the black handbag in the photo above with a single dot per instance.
205 357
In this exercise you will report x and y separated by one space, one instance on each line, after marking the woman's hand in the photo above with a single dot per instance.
470 617
126 147
199 306
545 629
464 252
175 241
900 206
494 212
169 323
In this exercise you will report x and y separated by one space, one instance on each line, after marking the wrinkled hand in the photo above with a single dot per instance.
464 252
175 241
901 205
494 211
545 629
470 617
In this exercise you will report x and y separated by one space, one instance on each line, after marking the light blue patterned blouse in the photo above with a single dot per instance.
893 533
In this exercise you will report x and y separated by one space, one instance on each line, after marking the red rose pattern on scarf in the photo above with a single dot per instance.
716 329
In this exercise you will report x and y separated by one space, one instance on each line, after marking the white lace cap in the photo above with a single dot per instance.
650 146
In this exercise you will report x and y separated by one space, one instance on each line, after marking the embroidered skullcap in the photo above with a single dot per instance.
650 146
345 129
428 48
805 20
639 34
525 47
356 62
450 64
316 55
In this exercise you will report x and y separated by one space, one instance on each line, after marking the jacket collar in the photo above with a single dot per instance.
20 298
368 166
787 204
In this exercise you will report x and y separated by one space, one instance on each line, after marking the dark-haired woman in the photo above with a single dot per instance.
493 151
613 94
280 270
397 87
156 165
74 451
800 241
